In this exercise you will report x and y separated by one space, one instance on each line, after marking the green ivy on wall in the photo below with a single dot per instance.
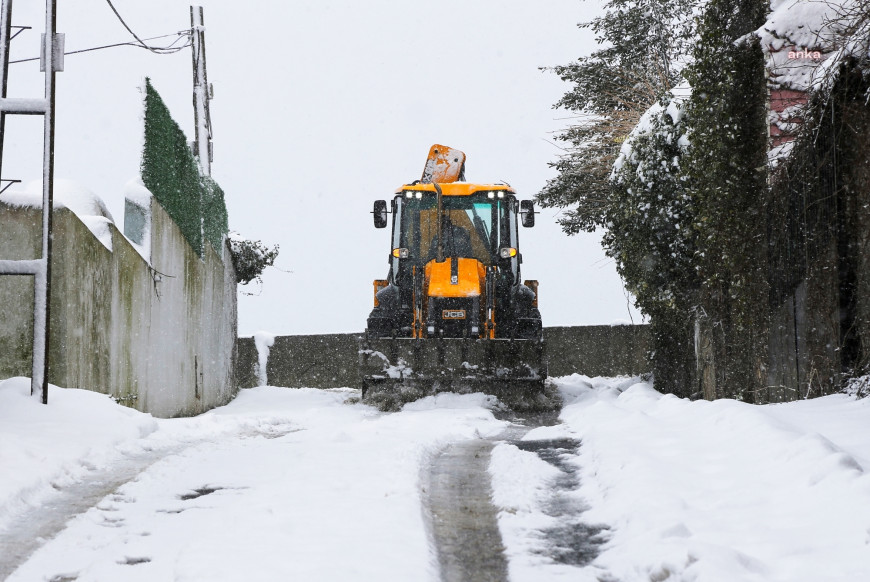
215 222
170 172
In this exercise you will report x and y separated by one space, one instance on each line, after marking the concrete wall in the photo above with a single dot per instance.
597 350
160 338
330 361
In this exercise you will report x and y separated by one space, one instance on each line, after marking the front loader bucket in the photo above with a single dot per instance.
395 371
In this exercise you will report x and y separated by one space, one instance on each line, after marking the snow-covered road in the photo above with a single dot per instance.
279 485
302 484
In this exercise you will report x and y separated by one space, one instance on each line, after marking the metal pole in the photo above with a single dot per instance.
439 232
201 91
5 32
42 307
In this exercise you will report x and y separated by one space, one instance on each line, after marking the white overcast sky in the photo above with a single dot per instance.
320 108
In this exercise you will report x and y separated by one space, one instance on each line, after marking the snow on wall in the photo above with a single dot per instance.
159 337
264 341
90 209
137 216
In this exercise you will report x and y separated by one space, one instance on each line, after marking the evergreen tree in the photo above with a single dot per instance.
727 180
645 47
685 207
650 236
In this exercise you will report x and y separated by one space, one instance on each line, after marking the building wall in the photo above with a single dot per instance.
160 337
819 245
330 361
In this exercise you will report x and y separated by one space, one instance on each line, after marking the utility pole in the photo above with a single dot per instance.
202 93
52 50
39 269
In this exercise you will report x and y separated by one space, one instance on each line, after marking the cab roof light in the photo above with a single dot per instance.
490 194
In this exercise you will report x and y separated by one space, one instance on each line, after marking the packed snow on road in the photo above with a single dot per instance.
305 484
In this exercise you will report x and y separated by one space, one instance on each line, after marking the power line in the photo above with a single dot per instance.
169 49
158 50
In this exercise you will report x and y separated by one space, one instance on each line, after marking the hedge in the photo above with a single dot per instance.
170 171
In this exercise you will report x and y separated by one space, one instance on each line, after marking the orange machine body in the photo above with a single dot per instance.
453 313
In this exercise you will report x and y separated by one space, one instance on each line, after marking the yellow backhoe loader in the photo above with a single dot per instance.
453 313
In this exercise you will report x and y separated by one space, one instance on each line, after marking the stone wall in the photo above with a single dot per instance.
598 350
160 337
330 361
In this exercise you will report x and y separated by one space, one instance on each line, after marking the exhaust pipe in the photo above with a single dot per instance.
440 230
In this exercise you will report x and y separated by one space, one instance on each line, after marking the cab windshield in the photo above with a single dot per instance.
474 226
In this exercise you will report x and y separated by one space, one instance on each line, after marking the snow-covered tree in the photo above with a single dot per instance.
726 176
677 181
644 48
250 258
650 236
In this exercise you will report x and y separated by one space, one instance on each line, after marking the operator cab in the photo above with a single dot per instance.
480 242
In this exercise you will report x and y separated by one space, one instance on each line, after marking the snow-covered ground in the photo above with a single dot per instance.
700 491
303 484
281 484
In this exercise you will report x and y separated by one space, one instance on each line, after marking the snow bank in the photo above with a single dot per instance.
89 207
717 491
46 447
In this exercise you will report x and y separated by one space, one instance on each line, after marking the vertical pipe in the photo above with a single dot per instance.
5 33
439 233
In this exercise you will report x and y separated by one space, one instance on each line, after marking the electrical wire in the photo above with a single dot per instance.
168 49
158 50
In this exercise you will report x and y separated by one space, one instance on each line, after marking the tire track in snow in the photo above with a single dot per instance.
464 521
29 531
34 527
572 541
458 500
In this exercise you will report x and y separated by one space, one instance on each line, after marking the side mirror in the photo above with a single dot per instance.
380 213
527 213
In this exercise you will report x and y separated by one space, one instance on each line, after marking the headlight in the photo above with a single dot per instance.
505 252
401 253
